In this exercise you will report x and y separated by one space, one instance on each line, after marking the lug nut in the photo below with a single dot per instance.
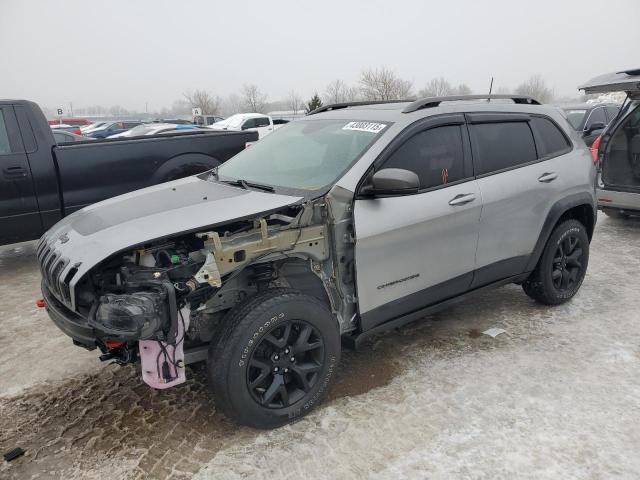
286 370
292 359
276 357
286 351
275 369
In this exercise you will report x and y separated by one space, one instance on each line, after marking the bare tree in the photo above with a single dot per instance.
336 92
294 102
203 100
254 100
462 89
437 87
536 87
383 84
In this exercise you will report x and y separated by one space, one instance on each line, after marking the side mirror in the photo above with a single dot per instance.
392 181
593 127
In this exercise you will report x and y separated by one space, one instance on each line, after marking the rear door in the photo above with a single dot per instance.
413 250
516 187
19 214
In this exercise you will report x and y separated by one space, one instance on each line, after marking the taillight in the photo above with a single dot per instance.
594 150
77 131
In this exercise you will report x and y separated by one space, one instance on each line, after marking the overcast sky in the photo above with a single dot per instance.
128 52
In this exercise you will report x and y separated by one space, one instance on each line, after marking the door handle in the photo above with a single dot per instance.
462 199
14 172
547 177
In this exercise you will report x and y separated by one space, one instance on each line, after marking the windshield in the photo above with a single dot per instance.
575 117
305 155
234 121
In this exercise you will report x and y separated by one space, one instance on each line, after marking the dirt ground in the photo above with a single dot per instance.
556 396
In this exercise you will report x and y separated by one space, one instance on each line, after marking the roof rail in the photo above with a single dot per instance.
435 101
337 106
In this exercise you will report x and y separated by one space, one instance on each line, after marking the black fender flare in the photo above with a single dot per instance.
556 212
189 163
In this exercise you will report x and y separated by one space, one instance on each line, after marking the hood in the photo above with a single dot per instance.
626 81
98 231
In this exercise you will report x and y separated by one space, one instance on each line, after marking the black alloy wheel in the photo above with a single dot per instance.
567 263
285 365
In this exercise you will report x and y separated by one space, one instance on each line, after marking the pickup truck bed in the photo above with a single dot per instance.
42 182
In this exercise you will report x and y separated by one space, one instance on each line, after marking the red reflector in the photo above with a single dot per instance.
111 344
607 200
594 150
40 303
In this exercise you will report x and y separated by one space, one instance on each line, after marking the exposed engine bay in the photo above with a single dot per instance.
158 300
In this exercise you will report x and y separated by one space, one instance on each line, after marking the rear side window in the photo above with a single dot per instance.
551 141
612 112
5 148
436 155
498 146
262 122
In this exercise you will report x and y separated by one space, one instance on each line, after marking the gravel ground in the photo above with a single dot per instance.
556 396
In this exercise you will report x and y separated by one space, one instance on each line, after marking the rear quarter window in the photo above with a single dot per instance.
551 141
501 145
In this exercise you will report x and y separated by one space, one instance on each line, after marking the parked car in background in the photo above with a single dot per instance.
76 122
112 128
176 121
93 126
347 223
153 129
588 119
61 136
617 150
42 182
206 120
66 128
263 124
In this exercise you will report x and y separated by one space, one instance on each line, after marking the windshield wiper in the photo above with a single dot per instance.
246 185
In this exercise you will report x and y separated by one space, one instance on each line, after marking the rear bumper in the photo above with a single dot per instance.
618 200
69 322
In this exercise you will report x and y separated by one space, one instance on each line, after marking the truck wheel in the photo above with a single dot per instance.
562 266
613 213
274 359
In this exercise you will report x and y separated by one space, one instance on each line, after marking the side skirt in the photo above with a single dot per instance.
355 341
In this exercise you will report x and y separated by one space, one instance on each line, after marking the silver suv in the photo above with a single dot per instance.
353 220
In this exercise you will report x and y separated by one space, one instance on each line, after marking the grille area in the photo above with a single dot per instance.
52 268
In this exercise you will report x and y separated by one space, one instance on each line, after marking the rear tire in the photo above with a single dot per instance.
274 359
562 266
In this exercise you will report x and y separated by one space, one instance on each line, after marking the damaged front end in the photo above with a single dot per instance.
162 302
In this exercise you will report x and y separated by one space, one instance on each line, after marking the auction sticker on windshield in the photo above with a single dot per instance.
365 127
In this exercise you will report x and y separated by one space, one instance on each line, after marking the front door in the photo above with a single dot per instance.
19 214
417 249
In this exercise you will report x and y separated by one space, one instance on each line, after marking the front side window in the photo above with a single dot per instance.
597 116
304 155
551 140
251 123
5 147
503 145
435 155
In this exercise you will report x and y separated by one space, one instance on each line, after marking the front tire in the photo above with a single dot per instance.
562 266
274 359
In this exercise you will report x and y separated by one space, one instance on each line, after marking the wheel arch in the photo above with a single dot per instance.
579 207
184 165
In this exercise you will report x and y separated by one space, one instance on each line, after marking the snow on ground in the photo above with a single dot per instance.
556 396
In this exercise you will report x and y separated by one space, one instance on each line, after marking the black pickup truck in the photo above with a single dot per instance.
42 182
